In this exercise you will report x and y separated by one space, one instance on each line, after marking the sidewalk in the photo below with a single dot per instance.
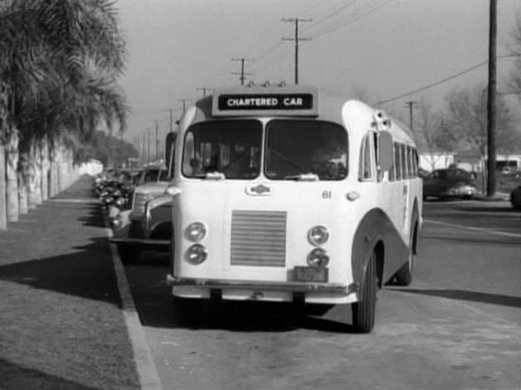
61 319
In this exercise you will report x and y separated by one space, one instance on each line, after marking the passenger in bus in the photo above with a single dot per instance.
330 160
239 167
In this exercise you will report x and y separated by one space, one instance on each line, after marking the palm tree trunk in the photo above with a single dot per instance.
3 132
44 168
54 178
23 206
23 184
12 176
34 176
3 189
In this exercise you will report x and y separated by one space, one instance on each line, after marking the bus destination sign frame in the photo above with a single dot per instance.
279 103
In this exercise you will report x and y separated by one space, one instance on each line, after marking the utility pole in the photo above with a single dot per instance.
242 74
297 40
184 104
157 138
171 119
138 146
491 101
144 144
411 104
203 89
148 145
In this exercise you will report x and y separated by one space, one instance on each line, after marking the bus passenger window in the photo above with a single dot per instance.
392 171
403 155
397 161
415 162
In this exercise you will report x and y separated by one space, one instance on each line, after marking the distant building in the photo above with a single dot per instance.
470 160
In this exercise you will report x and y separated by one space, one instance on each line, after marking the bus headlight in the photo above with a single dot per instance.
318 235
318 257
196 254
195 232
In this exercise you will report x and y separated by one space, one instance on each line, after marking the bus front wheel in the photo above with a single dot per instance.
364 311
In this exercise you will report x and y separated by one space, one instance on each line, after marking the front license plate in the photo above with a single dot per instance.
310 274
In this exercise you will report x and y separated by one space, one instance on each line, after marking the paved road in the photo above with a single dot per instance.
457 327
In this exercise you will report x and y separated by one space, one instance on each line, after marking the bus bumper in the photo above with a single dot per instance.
263 291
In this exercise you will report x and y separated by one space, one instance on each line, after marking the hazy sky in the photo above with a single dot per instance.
378 49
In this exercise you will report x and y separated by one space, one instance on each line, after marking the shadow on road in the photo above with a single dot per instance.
15 377
86 273
477 239
462 295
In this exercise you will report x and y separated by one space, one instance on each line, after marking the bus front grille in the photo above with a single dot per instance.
258 238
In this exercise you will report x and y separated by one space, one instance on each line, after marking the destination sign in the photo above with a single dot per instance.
288 101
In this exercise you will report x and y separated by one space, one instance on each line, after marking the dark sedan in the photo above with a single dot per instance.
449 183
515 198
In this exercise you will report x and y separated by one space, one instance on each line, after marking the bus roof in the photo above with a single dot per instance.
285 101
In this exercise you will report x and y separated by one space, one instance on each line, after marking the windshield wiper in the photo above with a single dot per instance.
210 176
303 177
215 176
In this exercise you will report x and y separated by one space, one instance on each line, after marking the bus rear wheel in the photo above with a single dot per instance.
364 311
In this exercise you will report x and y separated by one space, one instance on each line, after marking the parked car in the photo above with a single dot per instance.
449 183
148 224
515 198
423 173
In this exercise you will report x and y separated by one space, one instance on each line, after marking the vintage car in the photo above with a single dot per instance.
449 183
515 198
148 224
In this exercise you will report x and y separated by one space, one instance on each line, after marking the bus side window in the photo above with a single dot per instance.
367 160
403 155
409 161
397 161
415 162
392 171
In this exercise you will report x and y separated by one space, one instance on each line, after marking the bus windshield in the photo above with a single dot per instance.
295 150
223 149
304 149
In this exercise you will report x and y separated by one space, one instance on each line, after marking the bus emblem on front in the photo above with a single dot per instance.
260 189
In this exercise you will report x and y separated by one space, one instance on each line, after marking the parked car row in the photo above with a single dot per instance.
147 224
114 189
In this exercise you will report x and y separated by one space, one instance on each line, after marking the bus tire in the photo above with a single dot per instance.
128 253
364 311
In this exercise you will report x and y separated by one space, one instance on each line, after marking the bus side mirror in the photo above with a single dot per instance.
385 151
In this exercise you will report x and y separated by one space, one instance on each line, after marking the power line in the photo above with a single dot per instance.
330 15
441 81
358 14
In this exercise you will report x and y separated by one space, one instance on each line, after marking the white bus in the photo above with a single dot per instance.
289 194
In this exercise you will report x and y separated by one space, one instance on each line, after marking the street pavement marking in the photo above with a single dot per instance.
147 371
491 231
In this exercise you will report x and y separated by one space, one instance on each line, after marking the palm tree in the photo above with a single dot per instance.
59 61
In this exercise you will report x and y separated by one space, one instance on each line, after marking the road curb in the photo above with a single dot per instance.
146 368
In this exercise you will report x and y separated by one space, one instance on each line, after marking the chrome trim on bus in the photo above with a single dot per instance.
337 288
